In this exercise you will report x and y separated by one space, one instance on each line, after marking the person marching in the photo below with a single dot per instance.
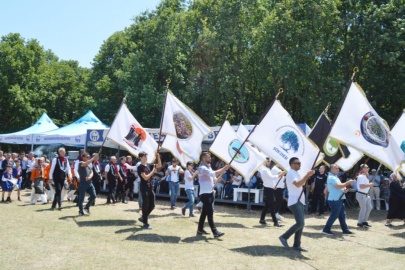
336 196
85 185
362 196
123 180
60 172
146 187
296 203
189 187
278 190
207 178
173 172
38 184
131 177
269 183
317 187
111 175
96 180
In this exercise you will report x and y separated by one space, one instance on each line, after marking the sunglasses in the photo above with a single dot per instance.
298 163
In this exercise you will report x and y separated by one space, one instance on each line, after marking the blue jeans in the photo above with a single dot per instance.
190 203
174 189
229 190
89 188
337 211
298 227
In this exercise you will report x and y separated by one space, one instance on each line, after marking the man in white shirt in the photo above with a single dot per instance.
269 182
363 197
296 202
30 165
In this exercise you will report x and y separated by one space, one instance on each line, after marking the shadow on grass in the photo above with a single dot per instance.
273 251
401 235
229 225
398 250
166 215
154 238
194 239
68 217
105 223
129 230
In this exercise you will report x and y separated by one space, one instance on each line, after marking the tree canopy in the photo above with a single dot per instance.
221 55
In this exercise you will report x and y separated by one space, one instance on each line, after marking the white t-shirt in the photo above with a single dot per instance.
293 191
362 180
187 183
237 180
267 178
174 175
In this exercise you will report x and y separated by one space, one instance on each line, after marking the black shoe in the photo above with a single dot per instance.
348 233
365 224
8 199
300 249
360 225
60 208
183 211
108 202
263 222
284 242
191 215
81 214
87 211
2 200
202 232
173 207
328 233
19 199
199 209
218 234
140 219
276 224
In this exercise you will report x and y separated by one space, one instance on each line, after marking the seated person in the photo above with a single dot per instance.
253 182
236 181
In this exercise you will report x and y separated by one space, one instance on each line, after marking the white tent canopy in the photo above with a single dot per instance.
73 134
25 136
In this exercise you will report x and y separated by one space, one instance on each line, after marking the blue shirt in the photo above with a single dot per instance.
334 192
252 182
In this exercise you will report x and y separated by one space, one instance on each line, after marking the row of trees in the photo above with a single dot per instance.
221 55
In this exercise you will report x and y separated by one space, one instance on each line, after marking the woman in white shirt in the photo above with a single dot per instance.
236 181
189 187
362 196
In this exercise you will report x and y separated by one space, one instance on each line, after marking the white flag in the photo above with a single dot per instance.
227 143
185 126
171 144
242 131
347 163
358 125
129 134
398 132
281 139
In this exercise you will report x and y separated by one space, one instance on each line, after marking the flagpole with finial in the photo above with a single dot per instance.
124 100
168 81
355 71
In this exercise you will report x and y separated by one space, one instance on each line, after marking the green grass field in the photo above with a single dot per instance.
34 237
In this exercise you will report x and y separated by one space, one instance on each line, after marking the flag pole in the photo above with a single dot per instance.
168 81
122 103
281 90
355 70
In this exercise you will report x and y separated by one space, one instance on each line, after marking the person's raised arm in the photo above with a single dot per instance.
86 163
221 171
159 165
146 177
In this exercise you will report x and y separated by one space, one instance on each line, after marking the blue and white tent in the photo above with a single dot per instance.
73 134
25 136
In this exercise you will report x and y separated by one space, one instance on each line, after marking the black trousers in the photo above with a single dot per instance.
318 197
24 183
121 190
278 194
29 180
207 200
148 197
268 194
97 185
58 189
112 189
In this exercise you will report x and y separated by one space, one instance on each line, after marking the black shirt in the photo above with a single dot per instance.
320 182
145 185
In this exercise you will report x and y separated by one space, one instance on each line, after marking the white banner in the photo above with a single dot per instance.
281 139
130 135
185 126
398 132
359 125
347 163
226 145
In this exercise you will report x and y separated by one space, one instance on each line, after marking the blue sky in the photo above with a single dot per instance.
72 29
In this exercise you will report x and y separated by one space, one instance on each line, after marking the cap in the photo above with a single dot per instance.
373 170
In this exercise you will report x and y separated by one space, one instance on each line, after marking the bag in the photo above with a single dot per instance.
39 185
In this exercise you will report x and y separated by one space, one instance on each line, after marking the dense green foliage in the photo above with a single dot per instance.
220 55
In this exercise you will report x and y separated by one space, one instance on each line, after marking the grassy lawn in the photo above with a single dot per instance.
33 237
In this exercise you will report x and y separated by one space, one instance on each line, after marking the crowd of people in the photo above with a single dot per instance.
51 180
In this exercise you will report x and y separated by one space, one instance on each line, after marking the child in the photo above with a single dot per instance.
6 183
17 172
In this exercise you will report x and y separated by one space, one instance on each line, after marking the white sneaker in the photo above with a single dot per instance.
278 216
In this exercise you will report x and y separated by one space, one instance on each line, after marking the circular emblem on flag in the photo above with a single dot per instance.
290 140
403 146
242 155
94 136
374 130
184 128
331 147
